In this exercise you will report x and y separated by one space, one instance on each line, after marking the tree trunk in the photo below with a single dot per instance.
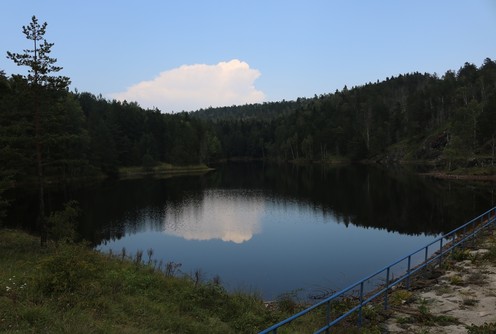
494 151
42 223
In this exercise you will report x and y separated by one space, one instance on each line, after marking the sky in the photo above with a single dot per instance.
191 54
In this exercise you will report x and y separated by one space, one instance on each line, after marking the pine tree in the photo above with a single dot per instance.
43 84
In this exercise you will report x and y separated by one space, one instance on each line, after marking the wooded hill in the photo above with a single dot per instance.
449 119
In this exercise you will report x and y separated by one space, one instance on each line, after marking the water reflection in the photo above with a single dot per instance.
232 216
272 228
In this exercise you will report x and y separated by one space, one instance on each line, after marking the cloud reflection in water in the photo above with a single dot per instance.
228 215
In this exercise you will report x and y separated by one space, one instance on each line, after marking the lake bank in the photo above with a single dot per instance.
464 177
162 170
72 288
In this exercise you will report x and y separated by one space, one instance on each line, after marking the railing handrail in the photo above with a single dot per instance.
410 271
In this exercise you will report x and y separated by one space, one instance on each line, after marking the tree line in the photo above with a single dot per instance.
409 117
83 135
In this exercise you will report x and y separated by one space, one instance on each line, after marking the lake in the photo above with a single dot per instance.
273 229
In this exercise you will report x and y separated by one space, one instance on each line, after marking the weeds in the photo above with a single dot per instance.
139 257
470 302
443 290
456 280
424 317
171 268
287 302
424 309
149 252
400 297
490 256
460 254
198 277
487 328
476 278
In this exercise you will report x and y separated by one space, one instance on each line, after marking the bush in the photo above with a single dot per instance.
71 268
62 224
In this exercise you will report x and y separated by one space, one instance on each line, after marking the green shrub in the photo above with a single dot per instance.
62 224
69 269
287 302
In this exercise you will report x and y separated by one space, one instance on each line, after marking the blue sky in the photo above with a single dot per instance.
184 55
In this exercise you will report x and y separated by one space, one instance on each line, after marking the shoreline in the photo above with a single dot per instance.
463 177
164 170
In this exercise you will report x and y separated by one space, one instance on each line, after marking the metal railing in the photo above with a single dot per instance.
384 279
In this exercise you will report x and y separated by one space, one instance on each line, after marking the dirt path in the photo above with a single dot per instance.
463 296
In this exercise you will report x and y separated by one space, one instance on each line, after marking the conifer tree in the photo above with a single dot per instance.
43 83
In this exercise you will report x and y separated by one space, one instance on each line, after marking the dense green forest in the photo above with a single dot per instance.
410 117
84 134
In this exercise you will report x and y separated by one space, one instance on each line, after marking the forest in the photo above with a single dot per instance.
411 117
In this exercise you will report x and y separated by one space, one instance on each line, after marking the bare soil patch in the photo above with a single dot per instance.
463 297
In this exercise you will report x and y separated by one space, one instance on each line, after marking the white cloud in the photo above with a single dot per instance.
219 215
191 87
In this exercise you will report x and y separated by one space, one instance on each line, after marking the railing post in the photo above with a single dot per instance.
361 306
440 251
481 221
408 272
387 289
328 314
473 234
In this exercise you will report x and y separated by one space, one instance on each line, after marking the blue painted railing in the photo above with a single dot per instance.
384 278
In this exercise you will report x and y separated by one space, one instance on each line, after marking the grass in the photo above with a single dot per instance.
71 288
67 287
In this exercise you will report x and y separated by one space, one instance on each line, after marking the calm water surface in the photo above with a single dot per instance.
275 229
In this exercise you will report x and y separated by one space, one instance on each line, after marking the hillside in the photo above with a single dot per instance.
447 120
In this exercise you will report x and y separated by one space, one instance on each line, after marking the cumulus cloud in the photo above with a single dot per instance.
191 87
